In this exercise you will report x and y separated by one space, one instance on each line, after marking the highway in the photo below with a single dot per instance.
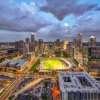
14 85
9 90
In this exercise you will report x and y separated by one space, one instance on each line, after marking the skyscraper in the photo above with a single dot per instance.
64 44
41 44
79 40
27 40
32 38
32 43
20 46
92 41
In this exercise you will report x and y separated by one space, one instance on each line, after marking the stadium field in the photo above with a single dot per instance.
53 64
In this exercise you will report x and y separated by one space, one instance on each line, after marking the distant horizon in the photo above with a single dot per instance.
71 40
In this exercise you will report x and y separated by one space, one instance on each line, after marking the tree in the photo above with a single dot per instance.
44 96
46 83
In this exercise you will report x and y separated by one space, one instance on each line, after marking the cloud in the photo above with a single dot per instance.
58 31
62 8
45 19
28 7
9 36
97 9
22 17
89 23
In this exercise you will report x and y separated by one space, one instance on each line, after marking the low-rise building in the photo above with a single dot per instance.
17 65
78 86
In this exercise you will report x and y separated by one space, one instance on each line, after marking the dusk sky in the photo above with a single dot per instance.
49 19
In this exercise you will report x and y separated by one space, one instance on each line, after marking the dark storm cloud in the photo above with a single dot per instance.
27 17
62 8
21 17
24 23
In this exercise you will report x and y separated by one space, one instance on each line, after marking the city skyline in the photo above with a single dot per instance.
49 50
19 18
24 37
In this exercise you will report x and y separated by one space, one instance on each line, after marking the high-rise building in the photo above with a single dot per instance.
41 44
92 41
32 38
26 47
75 42
78 86
79 40
64 44
32 43
27 40
20 46
31 47
58 40
58 44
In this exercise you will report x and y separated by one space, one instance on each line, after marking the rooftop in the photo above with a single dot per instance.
92 37
78 81
12 63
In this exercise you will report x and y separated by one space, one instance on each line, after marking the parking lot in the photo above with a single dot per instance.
23 83
41 90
